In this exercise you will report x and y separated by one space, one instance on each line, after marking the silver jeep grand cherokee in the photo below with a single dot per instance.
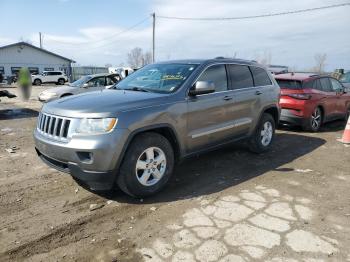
133 135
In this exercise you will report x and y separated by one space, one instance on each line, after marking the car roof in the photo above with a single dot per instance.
102 74
295 76
208 61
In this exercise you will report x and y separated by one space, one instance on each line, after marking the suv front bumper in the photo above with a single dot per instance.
93 160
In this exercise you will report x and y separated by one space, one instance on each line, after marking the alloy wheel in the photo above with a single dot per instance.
150 166
266 134
316 118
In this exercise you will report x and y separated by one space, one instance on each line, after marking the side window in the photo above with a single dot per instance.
325 84
216 74
241 76
260 76
97 81
110 81
336 86
317 85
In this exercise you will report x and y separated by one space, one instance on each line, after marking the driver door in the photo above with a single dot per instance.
207 120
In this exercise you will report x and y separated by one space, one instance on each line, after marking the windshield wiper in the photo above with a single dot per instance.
135 88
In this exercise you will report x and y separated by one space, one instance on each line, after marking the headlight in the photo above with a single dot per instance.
96 125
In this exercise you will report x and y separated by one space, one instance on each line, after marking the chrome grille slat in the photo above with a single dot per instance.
55 127
62 127
50 125
42 122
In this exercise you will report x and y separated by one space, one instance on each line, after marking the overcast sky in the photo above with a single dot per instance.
86 31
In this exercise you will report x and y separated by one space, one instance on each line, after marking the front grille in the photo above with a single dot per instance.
53 126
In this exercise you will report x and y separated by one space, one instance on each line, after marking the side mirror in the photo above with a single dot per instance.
85 85
202 87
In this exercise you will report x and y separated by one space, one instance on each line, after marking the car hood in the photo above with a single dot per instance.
105 103
60 90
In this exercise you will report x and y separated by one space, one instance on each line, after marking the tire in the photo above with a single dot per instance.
61 81
315 122
137 175
264 134
37 82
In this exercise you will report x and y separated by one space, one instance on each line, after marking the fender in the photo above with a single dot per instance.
135 132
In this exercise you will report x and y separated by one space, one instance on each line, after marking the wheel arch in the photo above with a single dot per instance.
66 94
165 130
273 111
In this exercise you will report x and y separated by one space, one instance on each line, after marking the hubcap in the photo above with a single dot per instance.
150 166
266 134
316 119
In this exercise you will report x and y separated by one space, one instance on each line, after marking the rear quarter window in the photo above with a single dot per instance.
260 76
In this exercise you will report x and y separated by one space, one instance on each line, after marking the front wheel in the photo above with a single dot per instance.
147 165
263 136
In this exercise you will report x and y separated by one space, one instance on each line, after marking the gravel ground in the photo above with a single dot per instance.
290 204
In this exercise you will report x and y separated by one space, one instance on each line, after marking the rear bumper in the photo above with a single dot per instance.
290 118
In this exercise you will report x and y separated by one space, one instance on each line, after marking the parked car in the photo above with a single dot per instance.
345 80
84 84
310 100
134 134
57 77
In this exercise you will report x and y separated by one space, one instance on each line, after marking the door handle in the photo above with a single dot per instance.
258 92
226 98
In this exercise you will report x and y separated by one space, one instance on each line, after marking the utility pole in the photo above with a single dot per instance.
40 40
153 38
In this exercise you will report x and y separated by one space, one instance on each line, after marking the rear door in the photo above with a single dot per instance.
245 98
207 121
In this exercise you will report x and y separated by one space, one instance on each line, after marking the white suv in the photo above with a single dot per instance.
57 77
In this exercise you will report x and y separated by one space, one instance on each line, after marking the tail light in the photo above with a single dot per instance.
300 96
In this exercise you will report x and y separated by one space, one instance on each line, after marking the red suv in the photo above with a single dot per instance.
310 100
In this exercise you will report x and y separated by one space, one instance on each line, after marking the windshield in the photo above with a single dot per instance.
161 78
289 84
81 81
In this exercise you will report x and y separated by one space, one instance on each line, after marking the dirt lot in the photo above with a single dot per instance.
290 204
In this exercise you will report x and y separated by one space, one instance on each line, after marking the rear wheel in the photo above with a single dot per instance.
315 121
147 165
37 82
263 136
61 81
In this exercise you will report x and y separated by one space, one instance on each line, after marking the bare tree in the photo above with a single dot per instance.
108 65
137 58
320 60
147 58
264 58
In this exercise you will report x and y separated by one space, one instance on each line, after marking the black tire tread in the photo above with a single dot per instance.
140 143
255 142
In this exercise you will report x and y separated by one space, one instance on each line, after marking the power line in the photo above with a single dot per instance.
104 39
255 16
